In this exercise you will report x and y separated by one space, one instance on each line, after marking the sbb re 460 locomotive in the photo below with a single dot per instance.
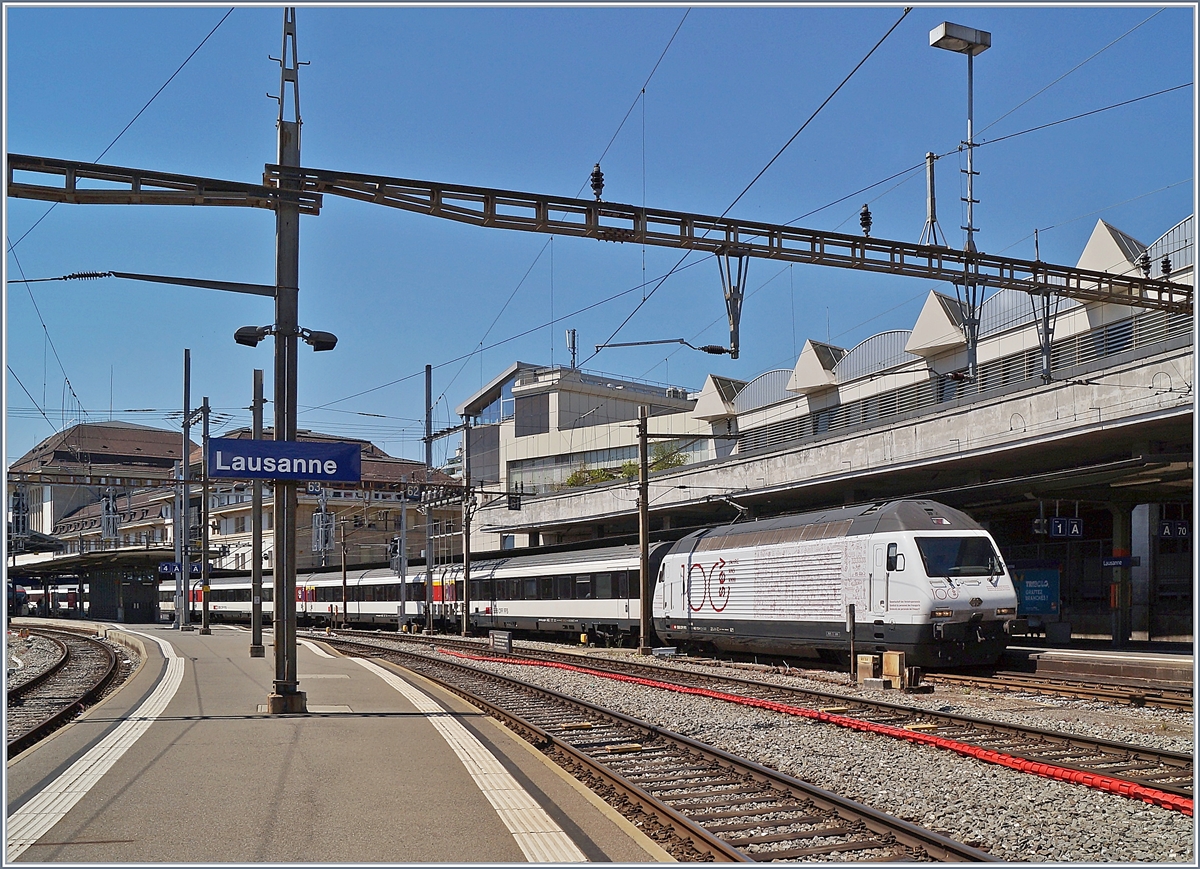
924 579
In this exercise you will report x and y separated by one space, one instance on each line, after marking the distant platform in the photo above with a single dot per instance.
1171 664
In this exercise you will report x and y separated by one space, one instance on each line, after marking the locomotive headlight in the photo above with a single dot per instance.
1006 611
941 614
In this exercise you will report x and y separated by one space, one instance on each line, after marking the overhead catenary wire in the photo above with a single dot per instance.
620 126
982 143
125 129
31 398
46 334
761 172
1086 60
493 346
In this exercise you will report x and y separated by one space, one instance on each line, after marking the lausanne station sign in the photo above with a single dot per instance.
238 459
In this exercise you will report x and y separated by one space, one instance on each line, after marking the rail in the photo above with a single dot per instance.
710 798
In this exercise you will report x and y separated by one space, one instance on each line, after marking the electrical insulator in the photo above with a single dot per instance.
864 220
1166 267
597 181
1144 264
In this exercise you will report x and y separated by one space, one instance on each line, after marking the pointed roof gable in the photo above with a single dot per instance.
814 368
939 327
716 398
1110 250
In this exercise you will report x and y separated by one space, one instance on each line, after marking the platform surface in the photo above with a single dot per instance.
384 767
1170 664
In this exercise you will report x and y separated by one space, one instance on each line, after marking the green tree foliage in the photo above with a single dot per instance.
662 457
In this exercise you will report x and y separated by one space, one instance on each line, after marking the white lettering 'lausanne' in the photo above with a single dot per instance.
280 466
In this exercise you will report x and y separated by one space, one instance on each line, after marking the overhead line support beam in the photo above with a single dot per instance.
608 221
31 177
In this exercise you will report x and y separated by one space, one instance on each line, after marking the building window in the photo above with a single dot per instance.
532 415
239 524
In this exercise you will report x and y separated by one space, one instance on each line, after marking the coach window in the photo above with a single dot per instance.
583 586
564 587
531 588
545 588
514 589
604 586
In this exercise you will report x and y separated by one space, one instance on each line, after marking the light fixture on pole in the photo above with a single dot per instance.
968 41
249 336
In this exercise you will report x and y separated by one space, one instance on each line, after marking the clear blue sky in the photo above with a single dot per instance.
528 99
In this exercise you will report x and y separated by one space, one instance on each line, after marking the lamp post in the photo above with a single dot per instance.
968 41
286 697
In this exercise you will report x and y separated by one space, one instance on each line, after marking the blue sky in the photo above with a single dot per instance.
528 99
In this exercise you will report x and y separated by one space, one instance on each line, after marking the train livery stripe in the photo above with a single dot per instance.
539 837
34 819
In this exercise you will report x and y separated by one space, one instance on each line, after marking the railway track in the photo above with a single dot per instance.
1165 698
1170 773
31 681
38 706
712 805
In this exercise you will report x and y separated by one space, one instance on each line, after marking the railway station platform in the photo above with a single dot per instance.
183 765
1169 663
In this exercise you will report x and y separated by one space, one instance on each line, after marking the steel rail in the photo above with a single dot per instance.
725 236
1085 754
888 832
64 656
97 685
1179 764
1060 687
708 845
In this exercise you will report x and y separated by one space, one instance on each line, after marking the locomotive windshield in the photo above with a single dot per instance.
958 556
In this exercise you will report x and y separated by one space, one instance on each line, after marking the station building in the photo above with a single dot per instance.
1104 440
98 513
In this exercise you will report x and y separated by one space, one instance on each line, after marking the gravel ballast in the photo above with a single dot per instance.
1014 816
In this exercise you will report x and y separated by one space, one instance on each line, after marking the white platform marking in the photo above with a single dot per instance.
34 819
313 647
539 837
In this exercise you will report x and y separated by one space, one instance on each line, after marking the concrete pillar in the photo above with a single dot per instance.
1145 523
1119 591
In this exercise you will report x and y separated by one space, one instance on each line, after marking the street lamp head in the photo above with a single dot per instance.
249 336
964 40
320 340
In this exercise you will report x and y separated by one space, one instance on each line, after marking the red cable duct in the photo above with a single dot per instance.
1112 785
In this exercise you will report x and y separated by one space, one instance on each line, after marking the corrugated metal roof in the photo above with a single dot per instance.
764 390
1007 309
877 353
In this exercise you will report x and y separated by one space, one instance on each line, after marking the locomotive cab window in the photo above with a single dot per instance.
895 560
959 556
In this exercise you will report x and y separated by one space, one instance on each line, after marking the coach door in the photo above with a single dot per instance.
879 579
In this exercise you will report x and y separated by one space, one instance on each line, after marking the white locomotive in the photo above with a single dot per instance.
924 579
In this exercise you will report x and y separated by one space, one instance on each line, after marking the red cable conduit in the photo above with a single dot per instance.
1118 786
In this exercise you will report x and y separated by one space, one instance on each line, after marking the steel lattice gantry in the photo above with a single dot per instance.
604 221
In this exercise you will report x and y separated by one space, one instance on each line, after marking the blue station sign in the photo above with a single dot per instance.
194 567
238 459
